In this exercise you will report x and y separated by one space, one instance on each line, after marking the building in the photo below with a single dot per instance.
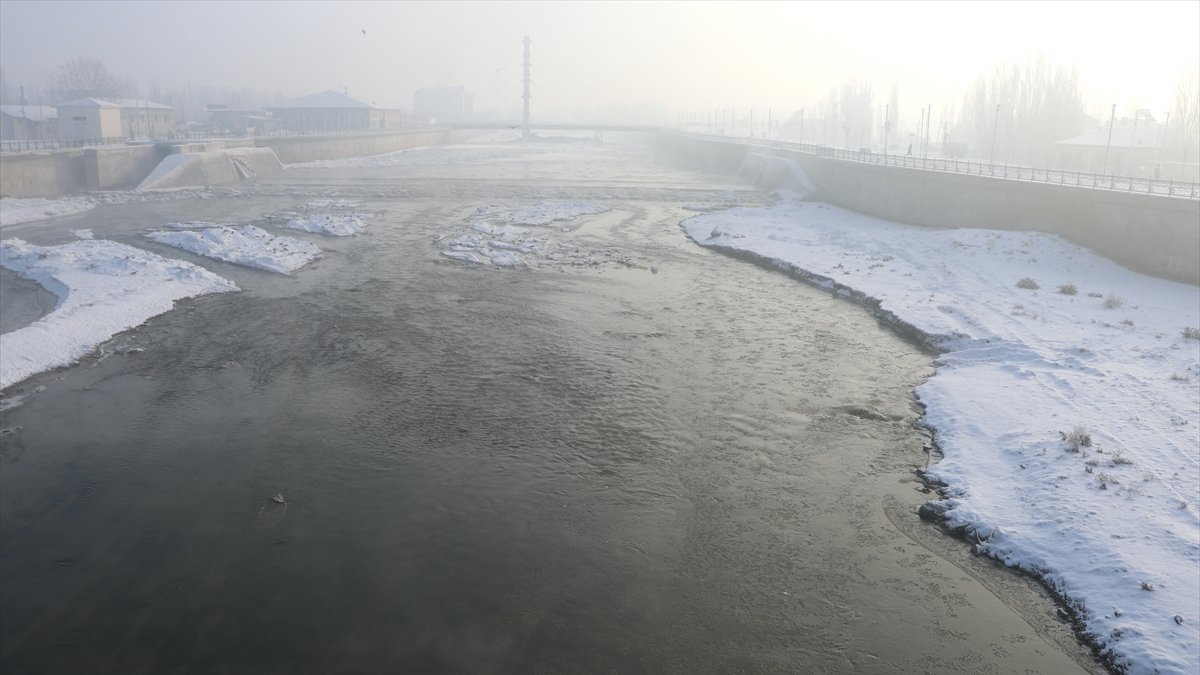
333 111
89 119
442 104
146 119
28 122
241 120
1131 149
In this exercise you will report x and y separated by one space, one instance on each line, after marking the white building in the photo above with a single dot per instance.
88 119
28 122
433 105
145 119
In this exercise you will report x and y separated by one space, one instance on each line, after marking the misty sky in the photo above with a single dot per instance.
682 56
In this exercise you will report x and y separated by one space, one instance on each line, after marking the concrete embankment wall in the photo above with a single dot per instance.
59 172
121 167
1156 235
42 174
294 149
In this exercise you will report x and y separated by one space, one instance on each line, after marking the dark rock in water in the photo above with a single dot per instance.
932 512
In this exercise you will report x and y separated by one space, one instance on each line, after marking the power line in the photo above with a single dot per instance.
578 79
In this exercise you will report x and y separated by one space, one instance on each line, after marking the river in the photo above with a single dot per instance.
640 457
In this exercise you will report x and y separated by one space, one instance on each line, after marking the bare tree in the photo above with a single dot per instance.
1184 131
85 77
1017 112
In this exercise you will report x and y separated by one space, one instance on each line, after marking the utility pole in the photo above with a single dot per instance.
802 127
768 124
525 80
928 121
1112 118
1133 153
887 123
921 130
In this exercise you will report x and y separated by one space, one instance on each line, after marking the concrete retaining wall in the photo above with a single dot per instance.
1152 234
295 149
42 174
119 168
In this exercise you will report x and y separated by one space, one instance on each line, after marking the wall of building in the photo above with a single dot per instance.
1153 234
120 167
42 174
293 149
89 122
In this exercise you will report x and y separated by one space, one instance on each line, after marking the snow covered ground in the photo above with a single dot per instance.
103 288
247 245
504 235
16 210
1066 402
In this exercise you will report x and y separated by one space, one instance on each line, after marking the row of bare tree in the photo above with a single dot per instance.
1013 113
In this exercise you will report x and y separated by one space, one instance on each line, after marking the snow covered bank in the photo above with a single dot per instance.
1066 403
103 288
14 210
248 245
503 235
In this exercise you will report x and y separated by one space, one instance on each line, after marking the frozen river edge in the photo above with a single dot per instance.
1106 588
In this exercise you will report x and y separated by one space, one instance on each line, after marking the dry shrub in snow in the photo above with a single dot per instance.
1191 333
1113 302
1067 289
1079 437
1095 295
1119 458
1028 283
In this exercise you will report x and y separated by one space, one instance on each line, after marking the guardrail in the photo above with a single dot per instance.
1171 188
31 145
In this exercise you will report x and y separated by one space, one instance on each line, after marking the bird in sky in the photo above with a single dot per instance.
364 30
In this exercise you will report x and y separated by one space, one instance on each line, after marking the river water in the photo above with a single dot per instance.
641 457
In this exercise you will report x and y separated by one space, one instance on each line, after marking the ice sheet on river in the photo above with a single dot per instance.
332 224
247 245
1113 525
503 235
103 288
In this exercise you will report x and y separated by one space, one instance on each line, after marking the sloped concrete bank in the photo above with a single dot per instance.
1152 234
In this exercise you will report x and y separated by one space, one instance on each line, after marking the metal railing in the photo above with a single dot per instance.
32 144
1171 188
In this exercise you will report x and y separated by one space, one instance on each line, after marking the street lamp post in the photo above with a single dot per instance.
1111 119
886 125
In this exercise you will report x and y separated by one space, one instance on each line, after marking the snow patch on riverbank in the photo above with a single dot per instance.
1111 524
16 210
103 288
247 245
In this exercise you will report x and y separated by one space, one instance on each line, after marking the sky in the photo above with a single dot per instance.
679 56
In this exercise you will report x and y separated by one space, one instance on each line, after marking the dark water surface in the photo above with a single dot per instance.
573 468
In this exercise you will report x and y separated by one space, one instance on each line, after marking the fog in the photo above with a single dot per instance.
644 60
